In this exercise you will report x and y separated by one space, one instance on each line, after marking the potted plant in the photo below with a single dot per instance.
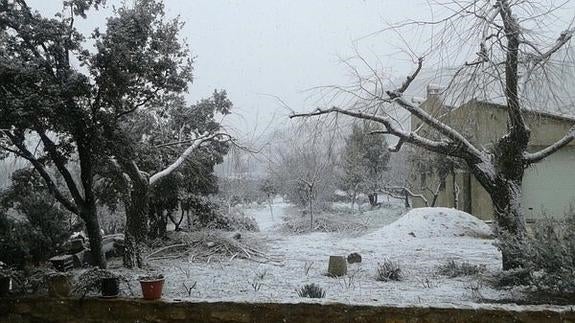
152 286
99 280
59 284
110 287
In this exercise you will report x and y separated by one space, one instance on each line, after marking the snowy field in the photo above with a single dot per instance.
419 241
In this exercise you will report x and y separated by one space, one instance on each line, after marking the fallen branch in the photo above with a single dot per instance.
165 248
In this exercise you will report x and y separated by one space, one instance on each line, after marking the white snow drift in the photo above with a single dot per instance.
435 222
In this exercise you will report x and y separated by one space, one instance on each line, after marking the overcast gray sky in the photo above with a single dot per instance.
257 49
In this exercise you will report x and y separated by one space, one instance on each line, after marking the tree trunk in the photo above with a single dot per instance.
310 205
440 187
502 177
189 220
178 222
311 214
509 216
372 199
136 226
90 218
271 207
163 228
406 198
87 207
158 222
455 190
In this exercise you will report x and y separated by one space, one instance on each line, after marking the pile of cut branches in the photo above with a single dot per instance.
324 222
214 245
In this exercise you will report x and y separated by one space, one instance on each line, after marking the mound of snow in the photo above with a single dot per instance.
435 222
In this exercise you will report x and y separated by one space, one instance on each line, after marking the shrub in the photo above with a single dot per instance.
91 281
213 215
311 291
453 269
545 259
32 226
514 277
22 242
388 270
111 221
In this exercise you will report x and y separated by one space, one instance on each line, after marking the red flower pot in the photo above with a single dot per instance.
152 288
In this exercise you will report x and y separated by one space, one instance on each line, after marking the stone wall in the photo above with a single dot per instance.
24 310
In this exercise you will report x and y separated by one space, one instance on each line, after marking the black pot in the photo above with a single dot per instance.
4 286
110 287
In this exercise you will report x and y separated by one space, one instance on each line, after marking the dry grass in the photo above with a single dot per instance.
453 269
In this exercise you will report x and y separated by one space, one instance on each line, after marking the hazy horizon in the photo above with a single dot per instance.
262 52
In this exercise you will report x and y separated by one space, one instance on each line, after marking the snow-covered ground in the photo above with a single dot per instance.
419 240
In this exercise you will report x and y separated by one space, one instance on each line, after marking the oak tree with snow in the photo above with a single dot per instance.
516 55
152 151
77 101
46 96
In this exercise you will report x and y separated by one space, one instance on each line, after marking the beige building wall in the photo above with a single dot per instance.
549 186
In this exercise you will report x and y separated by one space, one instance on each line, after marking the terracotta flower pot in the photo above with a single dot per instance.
152 287
110 287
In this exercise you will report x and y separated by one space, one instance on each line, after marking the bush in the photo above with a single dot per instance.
389 271
545 259
22 243
214 215
311 291
32 227
111 221
454 269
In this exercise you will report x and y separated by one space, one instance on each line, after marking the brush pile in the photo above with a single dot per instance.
324 222
214 245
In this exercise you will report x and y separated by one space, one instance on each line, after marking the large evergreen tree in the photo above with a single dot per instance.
365 158
44 95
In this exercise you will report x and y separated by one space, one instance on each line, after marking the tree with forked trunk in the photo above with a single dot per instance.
138 186
513 62
151 150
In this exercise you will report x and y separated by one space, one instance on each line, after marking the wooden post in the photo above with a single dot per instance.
337 266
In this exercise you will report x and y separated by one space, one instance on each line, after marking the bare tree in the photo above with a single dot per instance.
513 57
303 167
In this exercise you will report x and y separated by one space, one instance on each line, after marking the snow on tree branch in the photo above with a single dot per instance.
52 187
458 145
196 143
546 152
